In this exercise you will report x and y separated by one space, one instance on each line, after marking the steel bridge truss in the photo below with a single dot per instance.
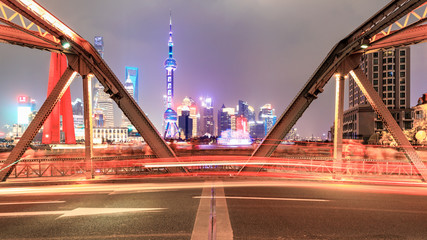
26 23
399 23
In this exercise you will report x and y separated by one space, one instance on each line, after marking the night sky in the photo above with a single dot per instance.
260 51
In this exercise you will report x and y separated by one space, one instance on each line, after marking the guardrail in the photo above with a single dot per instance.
230 165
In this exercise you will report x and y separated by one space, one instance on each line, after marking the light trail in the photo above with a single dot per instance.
80 212
406 188
28 203
268 198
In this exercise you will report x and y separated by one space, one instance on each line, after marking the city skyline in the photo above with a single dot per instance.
234 51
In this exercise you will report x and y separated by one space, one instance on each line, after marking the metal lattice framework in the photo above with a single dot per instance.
49 34
383 30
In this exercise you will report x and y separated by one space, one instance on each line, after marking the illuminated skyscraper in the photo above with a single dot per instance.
170 116
267 115
207 126
132 73
103 104
188 104
99 45
24 110
226 119
129 88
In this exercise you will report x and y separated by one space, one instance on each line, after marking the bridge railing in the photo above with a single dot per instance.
215 165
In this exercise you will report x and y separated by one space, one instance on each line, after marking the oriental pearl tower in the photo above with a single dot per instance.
170 116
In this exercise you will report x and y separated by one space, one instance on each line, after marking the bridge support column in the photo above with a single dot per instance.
87 101
338 126
35 125
391 124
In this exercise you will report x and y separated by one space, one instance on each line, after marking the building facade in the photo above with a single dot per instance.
207 123
104 107
132 74
389 73
225 119
188 104
110 134
185 123
102 104
420 112
129 88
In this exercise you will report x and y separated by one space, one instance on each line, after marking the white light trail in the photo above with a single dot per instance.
268 198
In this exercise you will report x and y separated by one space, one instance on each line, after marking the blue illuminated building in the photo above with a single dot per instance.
98 43
170 116
132 73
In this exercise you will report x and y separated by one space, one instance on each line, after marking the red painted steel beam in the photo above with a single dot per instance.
52 126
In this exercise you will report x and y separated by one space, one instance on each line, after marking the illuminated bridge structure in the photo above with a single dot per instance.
399 23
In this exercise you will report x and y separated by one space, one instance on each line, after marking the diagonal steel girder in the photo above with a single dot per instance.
378 105
35 125
90 57
389 14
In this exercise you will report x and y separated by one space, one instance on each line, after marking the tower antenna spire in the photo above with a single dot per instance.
170 20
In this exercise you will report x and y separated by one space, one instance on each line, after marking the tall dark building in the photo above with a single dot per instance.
246 111
243 109
224 118
185 124
389 73
257 130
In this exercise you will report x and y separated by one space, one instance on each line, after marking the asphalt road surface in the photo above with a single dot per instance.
213 209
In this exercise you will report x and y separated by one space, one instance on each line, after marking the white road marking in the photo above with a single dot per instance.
201 225
25 203
264 198
221 224
79 212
